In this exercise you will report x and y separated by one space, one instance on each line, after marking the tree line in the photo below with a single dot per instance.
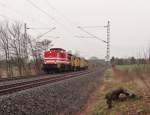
130 60
20 54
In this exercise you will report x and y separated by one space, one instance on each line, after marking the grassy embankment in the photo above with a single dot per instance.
132 77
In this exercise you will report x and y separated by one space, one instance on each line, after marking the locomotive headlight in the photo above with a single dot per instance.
58 65
56 60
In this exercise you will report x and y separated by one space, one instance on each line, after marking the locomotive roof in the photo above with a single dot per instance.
57 49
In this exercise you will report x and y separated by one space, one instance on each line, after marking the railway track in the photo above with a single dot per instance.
31 76
26 77
15 87
19 77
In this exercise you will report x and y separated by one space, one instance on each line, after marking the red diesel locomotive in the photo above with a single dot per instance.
57 60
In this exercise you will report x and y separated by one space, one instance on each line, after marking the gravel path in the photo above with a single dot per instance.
65 97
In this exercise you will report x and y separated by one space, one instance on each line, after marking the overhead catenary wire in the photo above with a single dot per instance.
37 28
38 37
43 11
58 12
50 5
83 37
62 15
108 38
56 37
46 32
10 8
92 35
34 5
93 26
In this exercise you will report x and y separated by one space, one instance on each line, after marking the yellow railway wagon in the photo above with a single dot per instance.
83 63
76 63
72 62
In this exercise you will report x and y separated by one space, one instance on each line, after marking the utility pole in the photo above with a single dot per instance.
25 28
25 41
108 42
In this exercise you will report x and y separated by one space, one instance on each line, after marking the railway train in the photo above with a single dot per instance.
58 60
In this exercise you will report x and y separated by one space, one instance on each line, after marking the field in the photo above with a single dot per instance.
126 76
140 68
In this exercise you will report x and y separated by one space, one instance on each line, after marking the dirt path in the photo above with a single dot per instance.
91 102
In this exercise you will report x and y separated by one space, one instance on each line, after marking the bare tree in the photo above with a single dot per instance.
37 48
17 47
5 46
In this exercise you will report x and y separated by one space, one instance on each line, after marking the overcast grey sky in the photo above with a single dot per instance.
130 23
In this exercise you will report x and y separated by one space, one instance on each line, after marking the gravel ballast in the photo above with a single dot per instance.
65 97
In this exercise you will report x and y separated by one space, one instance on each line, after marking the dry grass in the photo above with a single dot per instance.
136 68
139 106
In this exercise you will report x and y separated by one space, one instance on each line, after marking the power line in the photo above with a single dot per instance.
50 5
15 11
92 35
34 28
84 37
46 32
34 5
43 11
55 37
60 14
93 26
12 9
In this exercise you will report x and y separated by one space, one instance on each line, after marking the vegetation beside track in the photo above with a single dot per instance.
116 78
136 68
